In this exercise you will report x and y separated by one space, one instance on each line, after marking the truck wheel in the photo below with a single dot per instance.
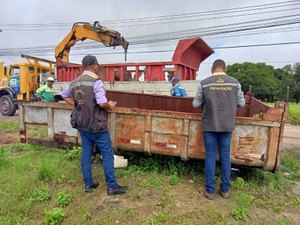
7 107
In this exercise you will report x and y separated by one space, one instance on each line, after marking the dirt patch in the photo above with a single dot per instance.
8 139
296 189
14 118
291 136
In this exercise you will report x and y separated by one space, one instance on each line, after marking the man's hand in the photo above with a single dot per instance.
69 101
108 105
112 104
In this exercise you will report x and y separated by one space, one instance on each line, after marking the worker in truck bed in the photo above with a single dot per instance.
218 96
45 92
89 116
178 90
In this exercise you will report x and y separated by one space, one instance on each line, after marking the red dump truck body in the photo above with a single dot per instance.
185 62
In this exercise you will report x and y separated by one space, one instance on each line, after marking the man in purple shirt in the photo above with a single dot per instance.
90 117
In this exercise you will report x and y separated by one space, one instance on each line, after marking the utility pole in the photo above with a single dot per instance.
287 93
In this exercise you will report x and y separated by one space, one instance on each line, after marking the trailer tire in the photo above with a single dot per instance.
7 107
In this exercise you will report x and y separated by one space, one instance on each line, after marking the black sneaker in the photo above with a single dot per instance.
90 188
117 191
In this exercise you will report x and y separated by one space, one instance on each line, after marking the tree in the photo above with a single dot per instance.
297 95
285 78
297 72
260 76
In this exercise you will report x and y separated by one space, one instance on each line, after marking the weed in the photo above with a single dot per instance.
7 220
244 200
217 217
55 216
63 198
295 202
86 215
129 211
152 181
289 164
285 221
44 172
159 219
38 196
163 202
238 184
197 178
166 164
240 213
173 179
136 194
272 181
74 153
277 209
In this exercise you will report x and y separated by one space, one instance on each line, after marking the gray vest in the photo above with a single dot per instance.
87 115
220 98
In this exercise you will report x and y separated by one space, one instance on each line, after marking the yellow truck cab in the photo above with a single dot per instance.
19 82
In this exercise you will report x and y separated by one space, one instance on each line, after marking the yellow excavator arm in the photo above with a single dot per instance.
96 32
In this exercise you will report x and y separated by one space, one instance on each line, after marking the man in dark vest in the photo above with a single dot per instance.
90 117
218 96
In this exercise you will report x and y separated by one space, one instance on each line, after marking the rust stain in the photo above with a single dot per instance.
244 159
273 114
262 158
23 136
245 144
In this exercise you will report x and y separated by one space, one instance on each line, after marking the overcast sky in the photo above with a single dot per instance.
16 16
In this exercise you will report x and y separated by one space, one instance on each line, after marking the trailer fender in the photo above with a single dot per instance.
7 91
7 106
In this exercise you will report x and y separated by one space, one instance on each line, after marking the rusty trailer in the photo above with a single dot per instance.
166 125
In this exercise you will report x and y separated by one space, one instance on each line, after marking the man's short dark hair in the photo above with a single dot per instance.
219 63
89 60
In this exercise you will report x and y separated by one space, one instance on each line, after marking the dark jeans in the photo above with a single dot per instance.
212 141
103 142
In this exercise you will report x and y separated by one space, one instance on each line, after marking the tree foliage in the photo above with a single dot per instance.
266 82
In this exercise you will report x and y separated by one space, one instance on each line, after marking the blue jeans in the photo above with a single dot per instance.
212 141
103 142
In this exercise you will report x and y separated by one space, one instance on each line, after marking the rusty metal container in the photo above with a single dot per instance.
166 125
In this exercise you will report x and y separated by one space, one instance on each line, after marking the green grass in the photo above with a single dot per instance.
294 113
9 127
38 131
42 185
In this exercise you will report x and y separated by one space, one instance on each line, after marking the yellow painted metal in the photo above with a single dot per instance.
2 71
28 72
81 32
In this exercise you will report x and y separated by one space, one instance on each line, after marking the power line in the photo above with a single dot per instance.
217 48
258 45
172 36
165 18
